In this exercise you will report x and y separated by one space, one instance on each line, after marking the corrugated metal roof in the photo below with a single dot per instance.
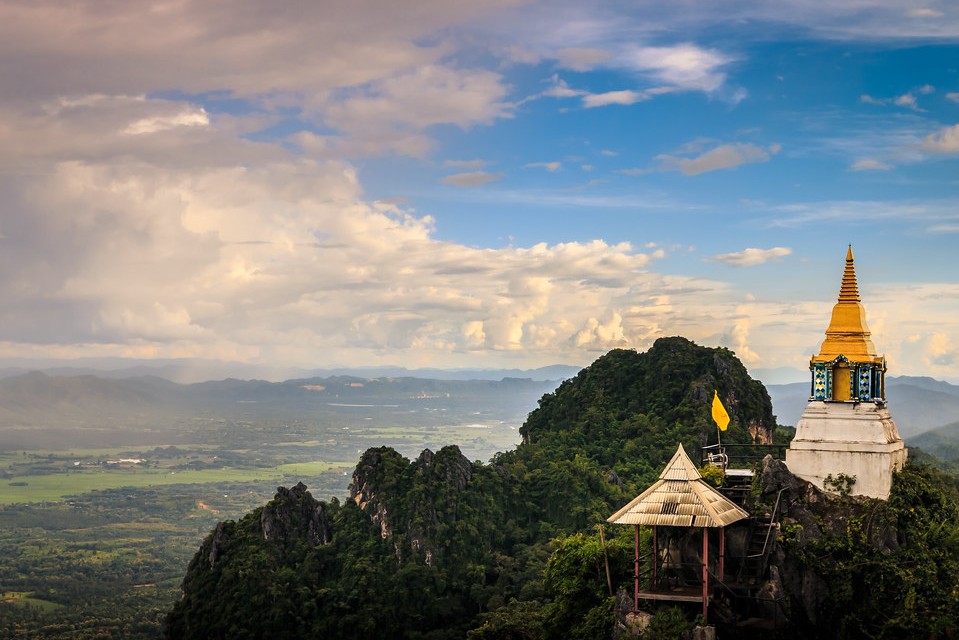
680 498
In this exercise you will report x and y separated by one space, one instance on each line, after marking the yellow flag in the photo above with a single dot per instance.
719 412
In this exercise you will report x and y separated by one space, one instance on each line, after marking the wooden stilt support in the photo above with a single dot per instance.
655 557
636 575
722 553
705 573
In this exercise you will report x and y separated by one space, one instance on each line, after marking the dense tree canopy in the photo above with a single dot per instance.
442 547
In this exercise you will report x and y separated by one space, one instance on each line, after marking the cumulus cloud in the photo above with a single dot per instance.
946 140
751 257
941 351
283 262
186 193
599 335
906 100
954 96
724 156
471 178
929 347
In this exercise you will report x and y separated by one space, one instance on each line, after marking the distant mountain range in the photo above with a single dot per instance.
187 371
38 410
926 410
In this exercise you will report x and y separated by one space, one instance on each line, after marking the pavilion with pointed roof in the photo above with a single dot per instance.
680 498
846 427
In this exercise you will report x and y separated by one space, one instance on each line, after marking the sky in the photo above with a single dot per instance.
455 184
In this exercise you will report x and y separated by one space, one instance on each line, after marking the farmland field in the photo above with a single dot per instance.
94 538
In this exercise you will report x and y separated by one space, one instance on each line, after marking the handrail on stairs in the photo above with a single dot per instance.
772 520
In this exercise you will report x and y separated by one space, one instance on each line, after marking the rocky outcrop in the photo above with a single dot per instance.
217 543
411 501
438 479
807 516
378 472
293 514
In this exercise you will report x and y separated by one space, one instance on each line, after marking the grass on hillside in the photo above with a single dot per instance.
26 599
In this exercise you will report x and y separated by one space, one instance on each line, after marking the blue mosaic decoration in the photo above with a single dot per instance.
865 380
865 383
819 384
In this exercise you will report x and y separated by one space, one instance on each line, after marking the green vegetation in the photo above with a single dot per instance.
885 569
101 545
440 545
504 550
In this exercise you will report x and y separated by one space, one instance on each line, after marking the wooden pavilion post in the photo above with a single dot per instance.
636 575
655 583
722 553
705 572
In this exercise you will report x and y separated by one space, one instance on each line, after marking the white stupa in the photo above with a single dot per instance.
846 427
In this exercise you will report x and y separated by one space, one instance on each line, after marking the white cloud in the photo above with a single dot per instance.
141 225
602 336
559 89
686 66
471 178
906 100
724 156
870 164
954 96
281 263
624 97
751 257
186 118
946 140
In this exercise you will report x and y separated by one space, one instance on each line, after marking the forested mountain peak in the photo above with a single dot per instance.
442 547
673 381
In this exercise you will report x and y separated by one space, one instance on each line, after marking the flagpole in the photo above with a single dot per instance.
722 421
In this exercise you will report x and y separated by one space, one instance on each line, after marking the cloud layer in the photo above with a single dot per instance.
187 179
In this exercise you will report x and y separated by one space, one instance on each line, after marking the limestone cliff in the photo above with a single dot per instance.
412 503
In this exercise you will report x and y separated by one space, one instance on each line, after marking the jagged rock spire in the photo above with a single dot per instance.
848 334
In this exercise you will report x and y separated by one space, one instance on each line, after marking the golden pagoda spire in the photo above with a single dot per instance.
847 334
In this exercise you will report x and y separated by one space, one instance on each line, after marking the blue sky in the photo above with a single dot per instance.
446 184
